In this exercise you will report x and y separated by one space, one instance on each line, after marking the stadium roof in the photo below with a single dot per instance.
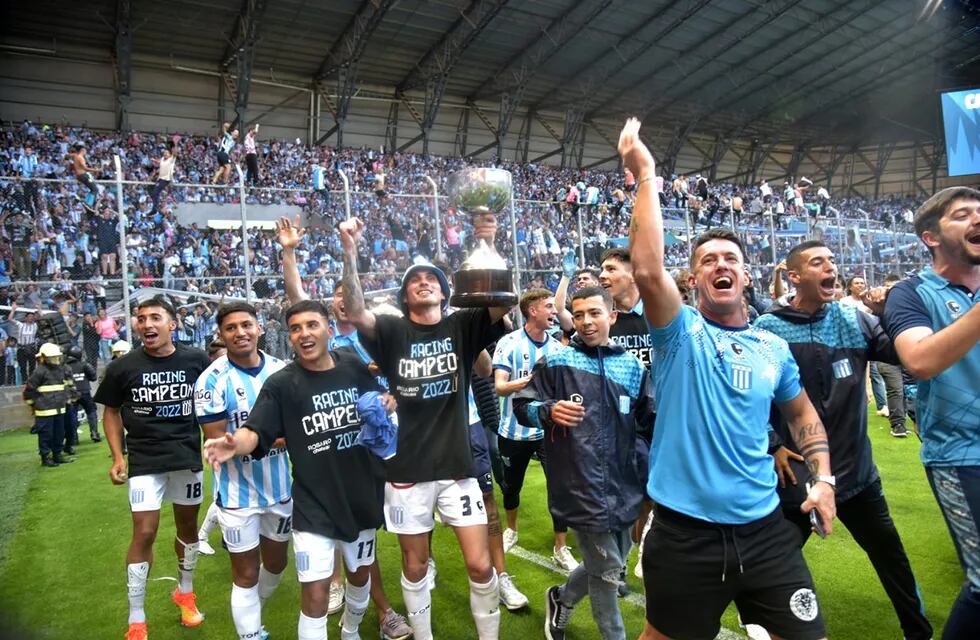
841 69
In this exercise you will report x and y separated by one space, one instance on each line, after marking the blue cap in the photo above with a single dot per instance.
423 265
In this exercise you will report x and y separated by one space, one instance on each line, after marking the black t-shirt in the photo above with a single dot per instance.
428 368
338 485
157 400
632 333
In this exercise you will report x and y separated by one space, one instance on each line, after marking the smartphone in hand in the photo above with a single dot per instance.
815 520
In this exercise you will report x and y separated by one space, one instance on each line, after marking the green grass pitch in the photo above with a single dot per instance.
64 533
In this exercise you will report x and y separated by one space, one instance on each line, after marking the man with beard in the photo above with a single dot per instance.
711 476
934 320
149 393
835 343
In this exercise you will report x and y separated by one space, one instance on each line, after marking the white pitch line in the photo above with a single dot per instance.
634 599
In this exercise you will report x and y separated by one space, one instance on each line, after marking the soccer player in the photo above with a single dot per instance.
343 334
934 320
513 358
835 342
254 504
711 476
338 485
149 393
593 400
428 358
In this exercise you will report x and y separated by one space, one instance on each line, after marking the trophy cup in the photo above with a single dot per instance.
484 279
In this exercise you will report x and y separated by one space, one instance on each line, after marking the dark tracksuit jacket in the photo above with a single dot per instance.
597 471
832 348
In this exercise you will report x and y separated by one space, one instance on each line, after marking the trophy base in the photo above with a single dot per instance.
479 288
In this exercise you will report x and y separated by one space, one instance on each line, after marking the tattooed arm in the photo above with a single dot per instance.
357 313
810 438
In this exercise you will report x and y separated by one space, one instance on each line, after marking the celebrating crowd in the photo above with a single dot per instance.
663 416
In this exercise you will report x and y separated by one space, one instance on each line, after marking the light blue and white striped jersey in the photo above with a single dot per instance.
319 177
517 353
227 392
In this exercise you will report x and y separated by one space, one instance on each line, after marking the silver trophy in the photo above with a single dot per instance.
484 279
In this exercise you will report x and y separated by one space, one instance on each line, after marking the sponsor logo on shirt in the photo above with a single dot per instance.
954 308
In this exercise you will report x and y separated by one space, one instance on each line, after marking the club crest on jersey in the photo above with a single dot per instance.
954 308
741 376
842 369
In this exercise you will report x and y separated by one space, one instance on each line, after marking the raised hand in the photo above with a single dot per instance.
289 233
350 233
636 157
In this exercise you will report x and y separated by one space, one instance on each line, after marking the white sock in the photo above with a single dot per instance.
268 582
485 605
246 612
311 628
209 523
186 566
357 602
136 575
418 601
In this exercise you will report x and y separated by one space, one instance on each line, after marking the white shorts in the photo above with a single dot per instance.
314 554
241 528
147 493
409 507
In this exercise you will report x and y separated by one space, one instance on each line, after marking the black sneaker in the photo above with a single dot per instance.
556 615
70 451
623 589
48 462
900 432
60 460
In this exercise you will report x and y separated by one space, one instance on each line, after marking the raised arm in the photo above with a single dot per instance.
926 353
810 437
357 313
661 300
289 235
561 293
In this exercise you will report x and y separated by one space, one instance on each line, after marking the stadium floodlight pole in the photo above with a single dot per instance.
435 209
581 241
772 237
123 250
840 239
687 228
517 260
343 176
245 254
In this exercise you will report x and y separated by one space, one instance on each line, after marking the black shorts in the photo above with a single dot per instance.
693 569
481 457
223 159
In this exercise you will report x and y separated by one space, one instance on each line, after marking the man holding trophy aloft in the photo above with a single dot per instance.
428 359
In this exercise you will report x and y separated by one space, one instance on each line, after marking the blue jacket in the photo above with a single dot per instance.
597 471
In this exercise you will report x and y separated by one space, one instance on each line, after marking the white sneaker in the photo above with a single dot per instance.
510 539
205 547
430 574
510 596
336 602
883 412
563 558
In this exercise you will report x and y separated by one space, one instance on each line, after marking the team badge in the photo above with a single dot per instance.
954 307
136 496
803 604
302 560
842 369
741 376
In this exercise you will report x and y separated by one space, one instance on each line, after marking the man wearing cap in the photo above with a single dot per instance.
428 359
46 392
